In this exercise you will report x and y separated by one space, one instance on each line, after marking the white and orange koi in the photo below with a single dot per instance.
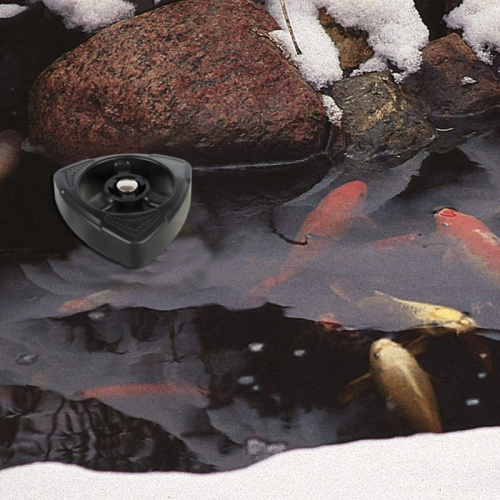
475 237
322 227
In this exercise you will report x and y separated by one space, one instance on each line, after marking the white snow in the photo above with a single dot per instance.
467 80
452 466
11 10
333 112
480 22
396 34
90 15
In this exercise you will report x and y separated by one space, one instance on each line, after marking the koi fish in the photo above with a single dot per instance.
137 390
90 302
395 241
10 151
395 372
400 379
438 319
476 237
323 226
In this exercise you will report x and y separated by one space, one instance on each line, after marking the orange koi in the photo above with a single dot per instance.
475 236
137 390
90 302
322 227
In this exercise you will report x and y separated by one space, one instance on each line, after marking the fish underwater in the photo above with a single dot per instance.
10 152
434 319
475 237
323 226
139 390
405 385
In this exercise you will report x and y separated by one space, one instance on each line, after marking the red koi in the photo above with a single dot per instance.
137 390
475 236
322 227
90 302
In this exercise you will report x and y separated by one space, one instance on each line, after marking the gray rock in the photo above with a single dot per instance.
378 120
198 80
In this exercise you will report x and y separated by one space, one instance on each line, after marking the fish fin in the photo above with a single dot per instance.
417 346
355 388
337 290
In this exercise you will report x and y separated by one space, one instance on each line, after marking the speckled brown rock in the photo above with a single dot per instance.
440 87
351 43
377 119
198 80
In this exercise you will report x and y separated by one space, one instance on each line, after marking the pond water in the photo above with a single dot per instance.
190 363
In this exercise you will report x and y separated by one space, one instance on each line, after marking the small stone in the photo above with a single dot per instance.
377 119
351 43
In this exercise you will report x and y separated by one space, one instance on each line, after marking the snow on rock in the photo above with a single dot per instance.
11 10
90 15
480 22
333 112
396 34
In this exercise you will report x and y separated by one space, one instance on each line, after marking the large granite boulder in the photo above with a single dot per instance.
199 80
453 82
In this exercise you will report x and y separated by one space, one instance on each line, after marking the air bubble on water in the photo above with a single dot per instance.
246 380
256 446
275 448
483 355
96 315
26 359
256 387
482 375
472 402
298 353
256 346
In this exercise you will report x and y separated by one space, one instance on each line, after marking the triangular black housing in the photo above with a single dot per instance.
127 207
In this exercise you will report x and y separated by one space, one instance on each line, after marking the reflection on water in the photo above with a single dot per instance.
106 366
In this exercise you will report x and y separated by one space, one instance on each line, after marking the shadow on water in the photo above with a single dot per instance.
208 389
181 366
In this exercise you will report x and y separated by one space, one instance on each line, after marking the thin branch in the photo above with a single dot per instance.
289 26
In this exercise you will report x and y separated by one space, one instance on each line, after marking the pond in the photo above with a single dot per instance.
235 343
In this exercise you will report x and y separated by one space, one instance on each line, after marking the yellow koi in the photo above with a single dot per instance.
399 377
433 315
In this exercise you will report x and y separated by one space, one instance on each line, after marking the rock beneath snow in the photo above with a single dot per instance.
452 81
198 80
351 43
378 120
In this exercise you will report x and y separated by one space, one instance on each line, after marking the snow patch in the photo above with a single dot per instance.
480 22
90 15
396 34
10 10
333 112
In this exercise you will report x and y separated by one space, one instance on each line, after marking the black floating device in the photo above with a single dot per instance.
128 207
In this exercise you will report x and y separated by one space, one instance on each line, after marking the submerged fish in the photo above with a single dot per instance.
10 151
437 318
398 376
137 390
90 302
322 227
475 237
400 379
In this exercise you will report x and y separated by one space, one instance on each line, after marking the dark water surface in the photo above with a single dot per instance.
217 375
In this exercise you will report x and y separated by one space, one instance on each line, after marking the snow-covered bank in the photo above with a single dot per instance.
458 465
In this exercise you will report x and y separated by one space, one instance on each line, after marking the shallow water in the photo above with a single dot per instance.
229 376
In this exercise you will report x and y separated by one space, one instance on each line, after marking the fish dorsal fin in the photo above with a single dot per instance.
355 388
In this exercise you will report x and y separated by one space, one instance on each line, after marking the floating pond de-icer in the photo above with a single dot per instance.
127 207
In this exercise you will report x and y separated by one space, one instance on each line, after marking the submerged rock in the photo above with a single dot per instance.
377 119
452 81
199 80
